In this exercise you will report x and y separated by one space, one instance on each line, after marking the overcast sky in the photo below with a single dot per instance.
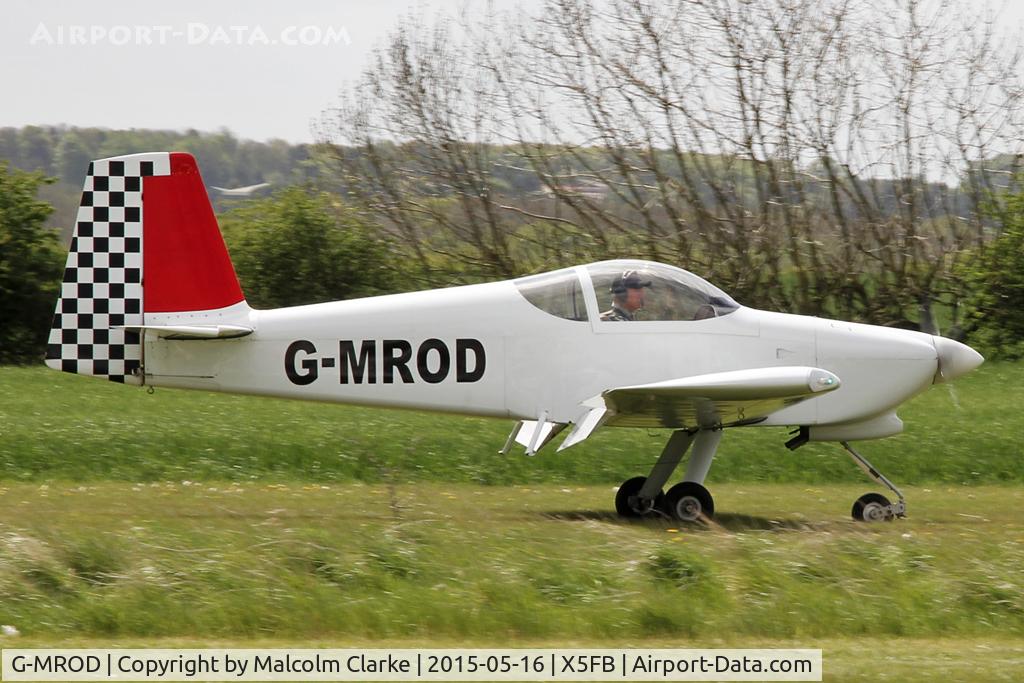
199 68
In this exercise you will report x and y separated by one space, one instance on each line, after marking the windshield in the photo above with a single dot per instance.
645 290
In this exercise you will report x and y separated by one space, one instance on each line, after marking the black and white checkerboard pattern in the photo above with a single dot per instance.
102 289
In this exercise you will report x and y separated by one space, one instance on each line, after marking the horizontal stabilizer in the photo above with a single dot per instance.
194 331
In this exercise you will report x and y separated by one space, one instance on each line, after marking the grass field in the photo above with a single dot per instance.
54 425
179 518
430 563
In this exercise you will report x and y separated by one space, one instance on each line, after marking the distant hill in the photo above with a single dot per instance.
225 160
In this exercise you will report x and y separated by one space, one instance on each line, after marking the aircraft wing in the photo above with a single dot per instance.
720 399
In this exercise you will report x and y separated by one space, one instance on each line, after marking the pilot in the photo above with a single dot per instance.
627 296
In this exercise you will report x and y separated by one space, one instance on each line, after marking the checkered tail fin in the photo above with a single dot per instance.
146 251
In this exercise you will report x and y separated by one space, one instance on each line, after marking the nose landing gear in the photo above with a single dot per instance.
874 507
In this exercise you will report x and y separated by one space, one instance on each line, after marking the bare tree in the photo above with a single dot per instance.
825 156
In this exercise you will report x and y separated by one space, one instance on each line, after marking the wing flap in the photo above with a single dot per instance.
585 425
532 435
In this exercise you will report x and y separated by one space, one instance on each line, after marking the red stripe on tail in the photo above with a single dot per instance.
186 266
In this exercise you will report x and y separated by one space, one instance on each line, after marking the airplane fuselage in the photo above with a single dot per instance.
485 350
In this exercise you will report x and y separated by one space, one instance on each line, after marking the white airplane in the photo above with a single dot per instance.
150 298
246 191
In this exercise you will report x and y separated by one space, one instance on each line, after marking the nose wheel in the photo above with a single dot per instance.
874 507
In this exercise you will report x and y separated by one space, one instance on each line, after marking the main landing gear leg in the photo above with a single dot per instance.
874 507
642 495
704 448
689 501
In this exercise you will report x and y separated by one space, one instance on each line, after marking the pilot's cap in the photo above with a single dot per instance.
630 279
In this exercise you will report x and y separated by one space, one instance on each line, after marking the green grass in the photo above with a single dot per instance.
457 564
59 426
187 518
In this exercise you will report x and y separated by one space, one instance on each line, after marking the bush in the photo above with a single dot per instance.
302 247
994 319
31 263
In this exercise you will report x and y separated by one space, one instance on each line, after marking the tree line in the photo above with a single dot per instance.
64 153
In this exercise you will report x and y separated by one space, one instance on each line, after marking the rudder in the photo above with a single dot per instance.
145 244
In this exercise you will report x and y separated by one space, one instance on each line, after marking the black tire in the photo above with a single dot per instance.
629 489
689 502
872 507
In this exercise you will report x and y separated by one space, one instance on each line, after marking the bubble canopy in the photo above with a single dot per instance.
659 293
